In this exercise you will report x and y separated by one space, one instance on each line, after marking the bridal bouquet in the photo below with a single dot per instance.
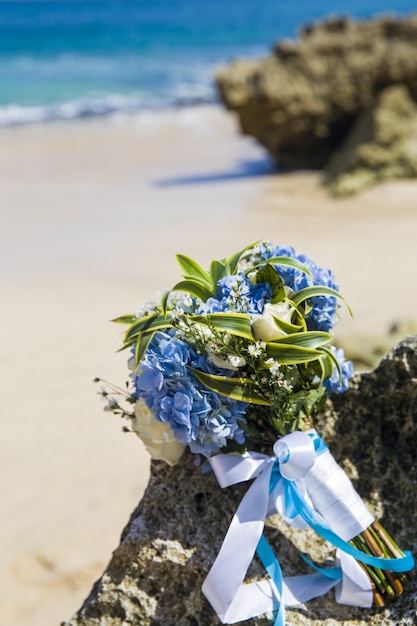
234 363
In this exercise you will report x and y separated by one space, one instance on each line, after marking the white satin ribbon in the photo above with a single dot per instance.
224 588
335 498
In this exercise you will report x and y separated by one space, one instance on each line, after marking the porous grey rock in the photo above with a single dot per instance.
382 145
154 577
303 100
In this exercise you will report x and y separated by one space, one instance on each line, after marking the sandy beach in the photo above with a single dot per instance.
92 215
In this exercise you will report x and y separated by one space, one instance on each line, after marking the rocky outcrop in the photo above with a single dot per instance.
322 93
155 575
382 145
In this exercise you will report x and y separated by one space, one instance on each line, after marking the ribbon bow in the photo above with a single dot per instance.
280 486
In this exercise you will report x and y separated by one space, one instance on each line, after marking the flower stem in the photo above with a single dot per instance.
385 584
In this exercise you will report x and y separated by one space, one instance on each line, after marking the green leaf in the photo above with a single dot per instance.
318 290
268 274
195 288
326 367
236 388
164 301
283 260
125 319
290 354
127 344
233 261
150 322
191 269
218 270
308 339
234 323
288 328
142 344
328 362
307 401
290 262
140 325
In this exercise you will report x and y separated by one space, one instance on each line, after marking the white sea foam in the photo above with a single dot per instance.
186 95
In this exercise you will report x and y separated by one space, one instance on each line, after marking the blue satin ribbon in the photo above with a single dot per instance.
296 505
319 445
230 597
334 573
273 569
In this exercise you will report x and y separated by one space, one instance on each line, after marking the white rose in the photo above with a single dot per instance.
264 327
158 437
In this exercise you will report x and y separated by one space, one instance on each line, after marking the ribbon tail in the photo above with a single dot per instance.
223 587
273 569
295 590
354 589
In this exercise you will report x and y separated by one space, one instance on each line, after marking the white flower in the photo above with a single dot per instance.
256 349
264 326
284 384
158 437
276 370
205 331
252 278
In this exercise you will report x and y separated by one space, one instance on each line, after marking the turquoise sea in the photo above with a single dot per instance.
75 58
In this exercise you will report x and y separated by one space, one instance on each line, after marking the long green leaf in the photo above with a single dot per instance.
195 288
237 388
191 269
290 355
233 261
218 270
283 260
127 344
149 323
317 290
234 323
308 339
288 328
140 325
142 344
326 366
328 363
125 319
164 301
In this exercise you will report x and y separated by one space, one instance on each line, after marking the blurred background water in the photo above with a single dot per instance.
63 59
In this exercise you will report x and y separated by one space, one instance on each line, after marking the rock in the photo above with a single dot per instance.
155 575
382 145
302 101
366 350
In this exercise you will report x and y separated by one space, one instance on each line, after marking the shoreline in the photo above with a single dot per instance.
93 216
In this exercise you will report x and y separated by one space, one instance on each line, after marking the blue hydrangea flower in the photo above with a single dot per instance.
235 293
199 418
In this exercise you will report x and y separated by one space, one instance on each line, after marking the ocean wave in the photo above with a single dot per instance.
186 95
